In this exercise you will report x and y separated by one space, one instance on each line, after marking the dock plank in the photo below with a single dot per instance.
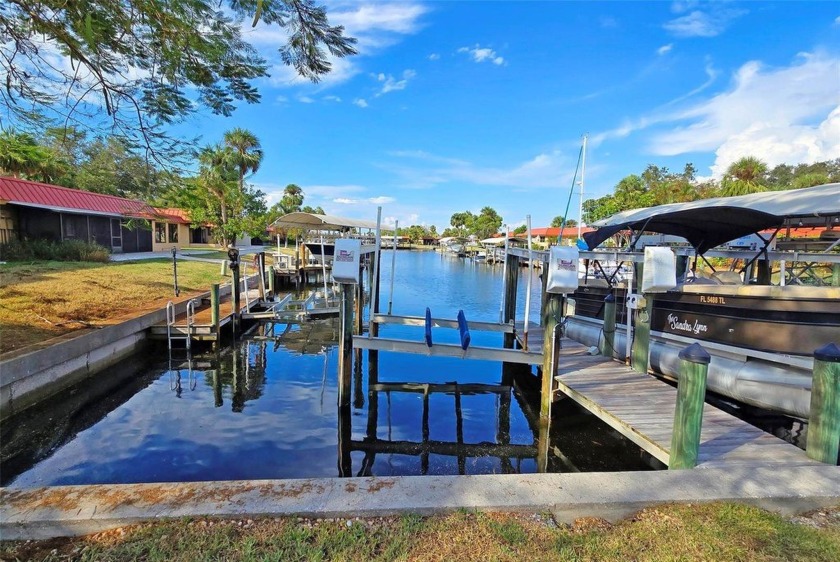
641 408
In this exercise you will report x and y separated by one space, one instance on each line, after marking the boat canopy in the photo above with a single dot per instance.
311 221
710 222
500 240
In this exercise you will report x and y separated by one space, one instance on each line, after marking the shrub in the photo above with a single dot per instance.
45 250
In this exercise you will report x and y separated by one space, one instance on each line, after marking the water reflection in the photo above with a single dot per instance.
266 407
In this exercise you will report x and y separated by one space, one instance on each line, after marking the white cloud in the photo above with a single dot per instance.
381 200
837 20
391 84
281 99
700 23
608 22
305 99
482 54
376 25
360 102
434 56
336 99
549 169
780 115
664 49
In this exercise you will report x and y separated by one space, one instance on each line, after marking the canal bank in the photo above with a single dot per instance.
75 510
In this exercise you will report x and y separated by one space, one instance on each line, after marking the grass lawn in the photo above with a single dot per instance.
42 300
713 532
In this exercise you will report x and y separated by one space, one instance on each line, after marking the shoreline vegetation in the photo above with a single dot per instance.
713 532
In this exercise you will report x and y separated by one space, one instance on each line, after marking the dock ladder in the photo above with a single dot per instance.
170 323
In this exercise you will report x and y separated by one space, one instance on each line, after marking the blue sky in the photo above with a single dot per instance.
453 106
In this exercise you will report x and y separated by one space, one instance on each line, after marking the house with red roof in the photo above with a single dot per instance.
34 210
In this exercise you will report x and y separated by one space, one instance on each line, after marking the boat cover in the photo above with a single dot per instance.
311 221
710 222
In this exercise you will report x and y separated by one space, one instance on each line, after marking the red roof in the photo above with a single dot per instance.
35 194
174 215
568 232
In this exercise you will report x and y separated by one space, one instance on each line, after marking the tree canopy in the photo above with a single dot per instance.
144 64
658 186
465 223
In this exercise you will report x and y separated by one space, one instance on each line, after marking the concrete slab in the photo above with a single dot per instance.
75 510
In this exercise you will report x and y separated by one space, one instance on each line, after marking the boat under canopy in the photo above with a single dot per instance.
760 324
707 223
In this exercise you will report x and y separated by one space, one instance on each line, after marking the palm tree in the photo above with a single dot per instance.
744 176
215 177
246 151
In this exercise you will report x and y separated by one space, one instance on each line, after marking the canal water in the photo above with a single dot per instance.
266 405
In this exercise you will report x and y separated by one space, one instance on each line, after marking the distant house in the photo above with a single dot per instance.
33 210
548 235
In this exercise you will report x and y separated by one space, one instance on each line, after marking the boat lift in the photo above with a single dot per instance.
462 350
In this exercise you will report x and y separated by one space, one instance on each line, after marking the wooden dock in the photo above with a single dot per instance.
202 328
641 408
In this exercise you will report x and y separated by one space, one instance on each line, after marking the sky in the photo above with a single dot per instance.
454 106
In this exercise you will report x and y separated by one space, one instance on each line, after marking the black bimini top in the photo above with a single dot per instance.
710 222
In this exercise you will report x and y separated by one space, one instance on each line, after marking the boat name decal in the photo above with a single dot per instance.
566 265
345 255
686 325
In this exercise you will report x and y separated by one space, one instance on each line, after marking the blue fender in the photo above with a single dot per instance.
464 330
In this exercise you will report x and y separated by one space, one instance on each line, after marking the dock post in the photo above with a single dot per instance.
214 308
835 275
511 282
608 343
271 281
640 354
688 416
345 345
261 274
824 419
552 316
359 308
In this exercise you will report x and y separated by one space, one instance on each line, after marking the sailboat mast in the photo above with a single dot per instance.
582 176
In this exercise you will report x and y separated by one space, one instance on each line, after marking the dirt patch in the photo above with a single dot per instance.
380 484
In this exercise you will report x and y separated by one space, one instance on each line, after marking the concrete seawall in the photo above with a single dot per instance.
31 375
74 510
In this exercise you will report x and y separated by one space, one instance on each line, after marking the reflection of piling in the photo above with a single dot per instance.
345 344
824 418
345 435
688 414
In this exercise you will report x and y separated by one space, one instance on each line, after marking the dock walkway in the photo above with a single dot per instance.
202 328
641 408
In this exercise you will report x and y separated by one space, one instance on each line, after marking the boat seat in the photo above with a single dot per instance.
728 277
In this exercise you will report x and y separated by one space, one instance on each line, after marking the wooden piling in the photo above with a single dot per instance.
640 353
608 341
214 308
824 418
688 415
261 275
236 301
511 282
271 281
552 316
835 275
345 344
